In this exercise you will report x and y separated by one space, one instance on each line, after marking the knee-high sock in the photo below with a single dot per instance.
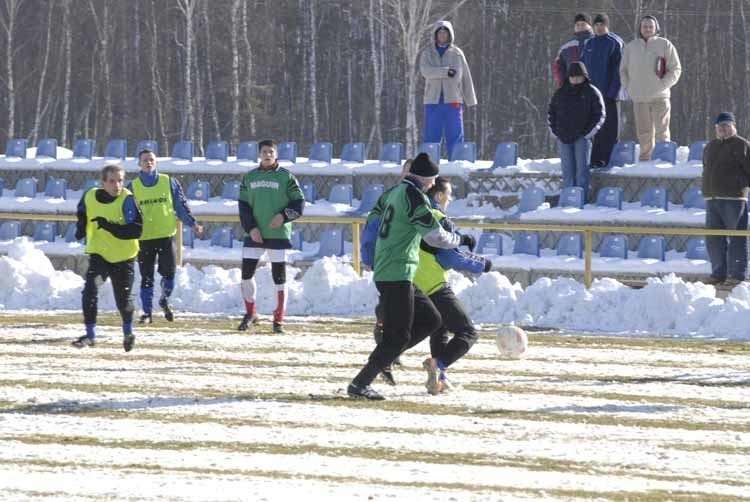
167 286
147 299
248 294
278 314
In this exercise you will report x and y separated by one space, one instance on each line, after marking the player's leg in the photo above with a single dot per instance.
278 273
167 269
250 258
123 275
146 262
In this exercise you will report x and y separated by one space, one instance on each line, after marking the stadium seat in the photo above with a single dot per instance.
248 150
217 150
614 246
9 230
609 197
91 183
526 243
223 237
25 187
652 246
297 240
83 148
183 150
288 151
464 151
45 231
321 152
693 197
70 233
15 147
353 152
230 190
656 197
695 249
490 243
116 149
370 197
622 154
147 144
2 186
531 199
188 237
431 149
310 191
56 188
570 244
46 148
199 190
696 150
571 197
341 193
392 152
331 243
666 151
506 154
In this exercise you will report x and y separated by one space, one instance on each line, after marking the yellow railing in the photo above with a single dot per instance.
356 222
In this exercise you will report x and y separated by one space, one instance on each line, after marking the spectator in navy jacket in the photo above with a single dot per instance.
576 112
602 55
572 50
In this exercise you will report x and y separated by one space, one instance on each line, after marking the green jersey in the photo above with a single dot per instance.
266 193
407 216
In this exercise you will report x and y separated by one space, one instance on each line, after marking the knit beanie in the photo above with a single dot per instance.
601 18
582 16
423 166
577 69
725 117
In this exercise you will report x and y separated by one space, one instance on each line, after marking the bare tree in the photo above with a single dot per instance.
42 75
214 114
377 59
8 25
102 26
235 20
187 8
67 30
312 35
248 80
156 91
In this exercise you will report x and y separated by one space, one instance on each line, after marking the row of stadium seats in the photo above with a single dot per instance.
666 151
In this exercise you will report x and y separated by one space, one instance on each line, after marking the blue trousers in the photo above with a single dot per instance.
728 254
575 160
445 118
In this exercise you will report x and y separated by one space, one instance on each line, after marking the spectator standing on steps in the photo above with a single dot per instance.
572 50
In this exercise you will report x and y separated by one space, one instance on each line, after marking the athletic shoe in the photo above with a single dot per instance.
387 375
127 342
363 392
713 281
145 319
277 327
731 282
433 384
247 320
83 341
168 314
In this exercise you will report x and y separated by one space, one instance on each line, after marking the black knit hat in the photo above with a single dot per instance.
423 166
725 117
601 18
577 69
582 16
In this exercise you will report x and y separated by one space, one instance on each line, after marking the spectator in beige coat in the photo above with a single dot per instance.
650 67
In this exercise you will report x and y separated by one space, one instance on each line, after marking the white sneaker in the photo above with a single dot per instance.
433 384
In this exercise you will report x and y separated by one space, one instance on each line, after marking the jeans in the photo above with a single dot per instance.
575 161
728 254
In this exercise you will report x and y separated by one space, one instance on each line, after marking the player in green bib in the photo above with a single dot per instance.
111 222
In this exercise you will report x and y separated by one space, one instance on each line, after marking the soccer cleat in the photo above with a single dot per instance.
247 320
387 375
277 327
128 341
363 392
83 341
145 319
433 384
168 314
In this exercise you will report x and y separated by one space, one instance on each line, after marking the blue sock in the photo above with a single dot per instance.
147 297
127 328
90 330
441 367
167 285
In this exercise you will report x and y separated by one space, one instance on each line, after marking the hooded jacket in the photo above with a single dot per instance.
576 111
642 61
570 52
434 68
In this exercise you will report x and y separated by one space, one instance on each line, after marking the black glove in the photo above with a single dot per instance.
469 241
487 265
102 222
451 72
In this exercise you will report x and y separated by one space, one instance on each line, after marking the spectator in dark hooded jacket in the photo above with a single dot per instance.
576 112
572 50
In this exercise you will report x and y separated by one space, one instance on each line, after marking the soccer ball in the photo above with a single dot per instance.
511 342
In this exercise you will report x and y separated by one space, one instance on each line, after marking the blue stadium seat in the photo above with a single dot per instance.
83 148
9 230
609 197
693 197
370 197
614 246
321 152
223 237
310 191
331 243
696 150
56 188
217 150
695 249
45 231
490 243
288 151
526 243
570 245
2 186
652 246
116 149
431 149
230 190
248 150
506 154
297 240
70 233
464 151
666 151
15 147
91 183
147 144
25 187
183 150
392 152
199 190
622 154
46 148
531 199
188 237
353 152
571 197
341 193
656 197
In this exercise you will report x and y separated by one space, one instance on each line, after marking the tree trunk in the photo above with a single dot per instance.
159 125
377 60
8 24
68 68
214 114
312 60
746 73
103 31
42 77
248 84
235 19
187 8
